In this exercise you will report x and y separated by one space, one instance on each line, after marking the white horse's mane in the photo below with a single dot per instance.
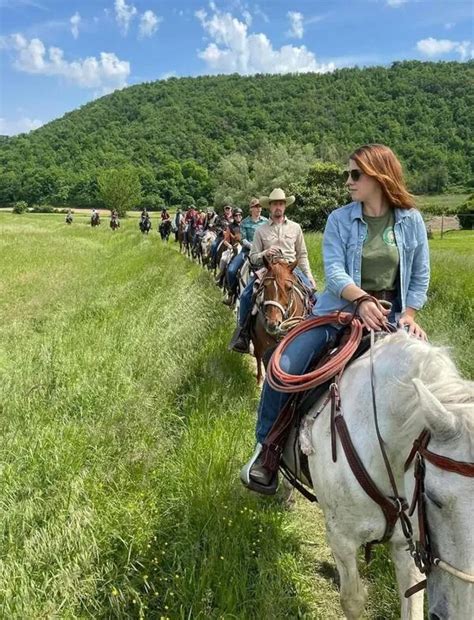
434 367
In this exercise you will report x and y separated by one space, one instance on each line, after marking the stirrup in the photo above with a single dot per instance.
248 482
239 334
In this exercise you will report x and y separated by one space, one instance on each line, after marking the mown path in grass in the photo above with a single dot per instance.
124 423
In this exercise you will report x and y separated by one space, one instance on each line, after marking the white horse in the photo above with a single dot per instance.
416 386
206 242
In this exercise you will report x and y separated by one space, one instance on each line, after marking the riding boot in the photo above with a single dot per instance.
229 300
240 341
256 477
220 278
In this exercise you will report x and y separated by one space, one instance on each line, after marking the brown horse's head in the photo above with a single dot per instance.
279 299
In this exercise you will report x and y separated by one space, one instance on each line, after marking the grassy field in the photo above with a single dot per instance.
124 425
440 203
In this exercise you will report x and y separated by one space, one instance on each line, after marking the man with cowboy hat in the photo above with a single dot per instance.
279 236
247 230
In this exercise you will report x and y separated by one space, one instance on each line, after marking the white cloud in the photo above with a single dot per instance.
124 13
21 125
437 47
75 21
449 25
258 11
396 3
149 24
234 50
106 72
296 25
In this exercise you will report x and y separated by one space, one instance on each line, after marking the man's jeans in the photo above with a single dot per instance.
233 269
296 361
246 296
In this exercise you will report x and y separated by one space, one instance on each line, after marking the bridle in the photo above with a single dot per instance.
289 315
421 550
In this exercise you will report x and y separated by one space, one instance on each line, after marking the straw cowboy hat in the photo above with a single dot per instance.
277 194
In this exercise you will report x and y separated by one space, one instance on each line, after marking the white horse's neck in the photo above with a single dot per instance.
396 404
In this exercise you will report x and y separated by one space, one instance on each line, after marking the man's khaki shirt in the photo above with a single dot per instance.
288 237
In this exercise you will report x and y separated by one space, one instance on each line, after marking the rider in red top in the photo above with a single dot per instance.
165 216
191 215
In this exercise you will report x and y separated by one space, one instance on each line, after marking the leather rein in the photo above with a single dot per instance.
421 550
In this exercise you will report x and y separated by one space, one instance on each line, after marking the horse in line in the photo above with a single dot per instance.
165 230
95 219
207 240
280 303
144 225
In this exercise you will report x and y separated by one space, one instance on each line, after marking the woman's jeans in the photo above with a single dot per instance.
295 361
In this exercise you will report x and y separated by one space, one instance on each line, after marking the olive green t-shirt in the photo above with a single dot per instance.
380 258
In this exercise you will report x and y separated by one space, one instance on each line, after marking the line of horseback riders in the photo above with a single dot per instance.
144 223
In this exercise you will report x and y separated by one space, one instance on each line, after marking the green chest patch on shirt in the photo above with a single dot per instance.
380 257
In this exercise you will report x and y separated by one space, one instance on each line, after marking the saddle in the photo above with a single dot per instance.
281 449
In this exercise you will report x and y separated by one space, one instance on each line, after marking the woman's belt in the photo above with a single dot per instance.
385 294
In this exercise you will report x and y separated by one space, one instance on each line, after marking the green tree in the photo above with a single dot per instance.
120 189
466 215
233 181
20 207
322 191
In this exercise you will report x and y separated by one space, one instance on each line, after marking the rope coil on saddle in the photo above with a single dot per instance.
282 381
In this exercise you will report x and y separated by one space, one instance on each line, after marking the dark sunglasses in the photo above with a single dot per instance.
354 174
227 208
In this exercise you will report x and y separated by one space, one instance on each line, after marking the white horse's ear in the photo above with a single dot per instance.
440 421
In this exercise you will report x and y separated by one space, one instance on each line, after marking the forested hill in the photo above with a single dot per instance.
423 110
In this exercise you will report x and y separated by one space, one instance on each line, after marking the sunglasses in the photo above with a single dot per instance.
354 174
228 209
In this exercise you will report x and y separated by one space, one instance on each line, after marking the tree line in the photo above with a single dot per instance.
186 139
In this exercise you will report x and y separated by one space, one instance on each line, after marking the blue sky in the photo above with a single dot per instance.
59 54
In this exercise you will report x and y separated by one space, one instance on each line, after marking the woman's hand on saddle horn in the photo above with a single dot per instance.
408 321
373 317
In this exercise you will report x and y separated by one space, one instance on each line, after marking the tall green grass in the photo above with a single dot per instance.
124 423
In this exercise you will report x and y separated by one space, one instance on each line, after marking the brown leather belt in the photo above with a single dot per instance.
386 295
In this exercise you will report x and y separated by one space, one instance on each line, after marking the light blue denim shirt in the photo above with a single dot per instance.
342 253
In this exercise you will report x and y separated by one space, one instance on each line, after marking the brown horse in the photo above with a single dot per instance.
282 302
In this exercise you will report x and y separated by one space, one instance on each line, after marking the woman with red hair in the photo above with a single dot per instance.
376 245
